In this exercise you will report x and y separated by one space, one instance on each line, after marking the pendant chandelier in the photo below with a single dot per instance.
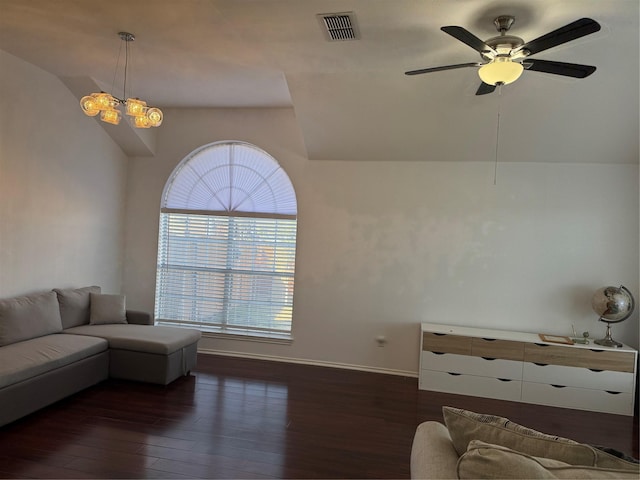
108 106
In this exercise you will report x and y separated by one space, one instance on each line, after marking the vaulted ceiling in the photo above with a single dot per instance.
351 98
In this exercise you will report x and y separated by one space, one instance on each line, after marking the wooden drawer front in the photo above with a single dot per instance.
578 398
470 385
452 363
580 357
578 377
491 348
437 342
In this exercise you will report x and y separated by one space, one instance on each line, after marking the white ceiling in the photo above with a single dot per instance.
352 99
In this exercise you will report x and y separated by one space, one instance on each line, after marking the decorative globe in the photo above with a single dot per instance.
613 305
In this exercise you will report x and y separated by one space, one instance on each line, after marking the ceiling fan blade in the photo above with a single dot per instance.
572 31
465 36
559 68
485 88
439 69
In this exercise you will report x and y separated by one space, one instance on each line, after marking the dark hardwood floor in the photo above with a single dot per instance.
242 418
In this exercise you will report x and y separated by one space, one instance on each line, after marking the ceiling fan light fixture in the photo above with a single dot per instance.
504 57
500 71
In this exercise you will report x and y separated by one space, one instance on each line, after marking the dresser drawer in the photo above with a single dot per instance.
580 357
470 385
579 398
478 366
444 343
578 377
492 348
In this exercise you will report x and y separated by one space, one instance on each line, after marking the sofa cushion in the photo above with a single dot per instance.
106 309
75 305
141 338
483 460
23 360
22 318
465 426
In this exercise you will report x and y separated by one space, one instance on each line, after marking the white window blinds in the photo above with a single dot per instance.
230 177
227 243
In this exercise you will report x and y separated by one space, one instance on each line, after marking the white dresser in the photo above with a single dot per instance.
520 367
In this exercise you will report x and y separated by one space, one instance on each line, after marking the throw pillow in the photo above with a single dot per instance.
22 318
74 305
107 309
465 426
484 460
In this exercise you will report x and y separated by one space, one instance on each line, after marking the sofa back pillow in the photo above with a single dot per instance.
483 460
106 309
611 458
31 316
75 305
465 426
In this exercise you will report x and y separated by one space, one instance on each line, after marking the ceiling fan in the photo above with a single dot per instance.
506 56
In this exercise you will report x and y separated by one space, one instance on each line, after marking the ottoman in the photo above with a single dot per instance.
146 353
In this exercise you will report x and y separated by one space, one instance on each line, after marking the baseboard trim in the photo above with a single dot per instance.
303 361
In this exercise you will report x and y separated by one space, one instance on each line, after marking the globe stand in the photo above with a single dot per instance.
607 341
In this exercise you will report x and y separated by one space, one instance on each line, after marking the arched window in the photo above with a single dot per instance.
227 243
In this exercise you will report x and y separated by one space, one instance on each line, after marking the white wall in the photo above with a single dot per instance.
383 246
62 186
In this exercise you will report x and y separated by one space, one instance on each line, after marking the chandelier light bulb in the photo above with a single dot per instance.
111 116
155 117
136 107
104 101
89 106
141 122
501 70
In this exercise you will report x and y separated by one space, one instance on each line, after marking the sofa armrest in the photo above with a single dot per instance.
432 452
139 317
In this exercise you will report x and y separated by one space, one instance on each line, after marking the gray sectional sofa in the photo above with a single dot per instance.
57 343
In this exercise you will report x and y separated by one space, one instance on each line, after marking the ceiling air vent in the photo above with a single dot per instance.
339 26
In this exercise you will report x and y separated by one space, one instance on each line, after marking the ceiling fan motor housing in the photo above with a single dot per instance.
503 44
503 22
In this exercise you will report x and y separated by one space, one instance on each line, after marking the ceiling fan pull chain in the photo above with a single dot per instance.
495 168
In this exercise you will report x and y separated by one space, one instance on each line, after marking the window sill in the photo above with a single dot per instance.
239 334
282 339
